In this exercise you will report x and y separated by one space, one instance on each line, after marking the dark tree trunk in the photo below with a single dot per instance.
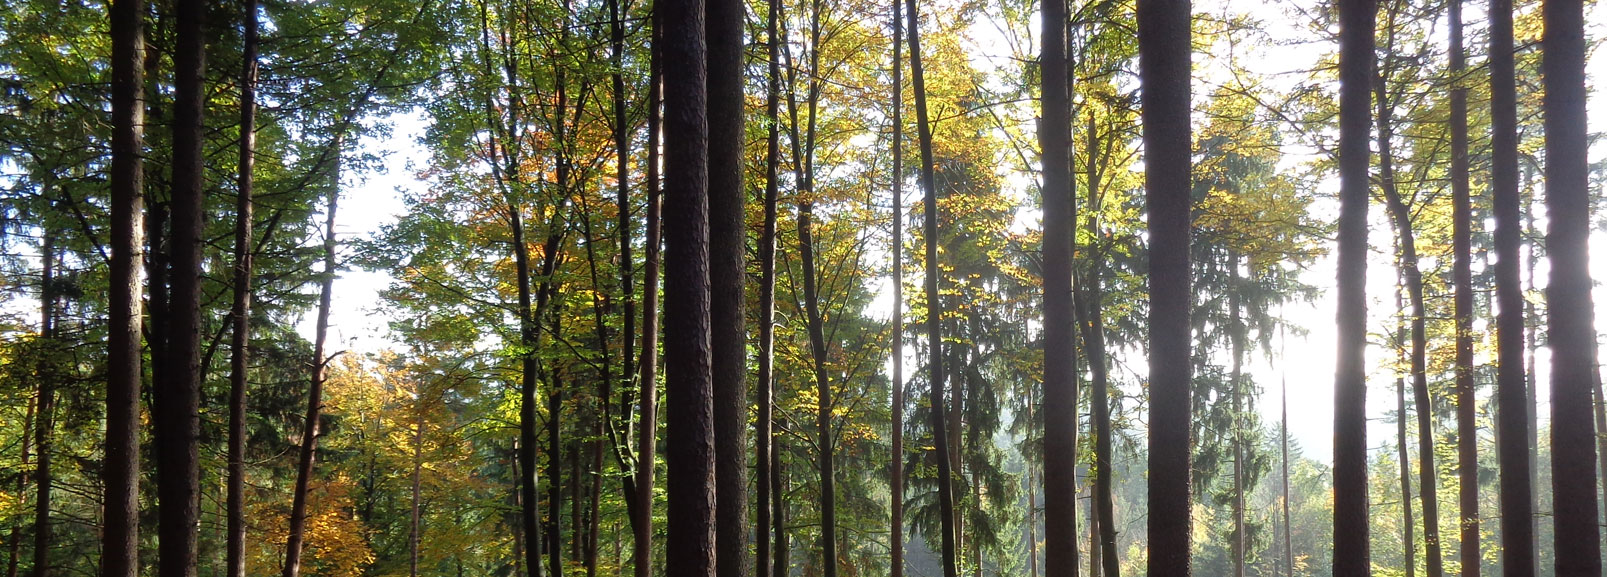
1408 542
724 38
601 404
764 436
14 541
934 327
1164 55
896 475
690 548
647 431
315 390
1467 441
1570 318
817 347
555 452
1351 556
1089 294
1059 350
627 264
177 391
1412 279
234 562
414 529
45 410
1512 394
120 536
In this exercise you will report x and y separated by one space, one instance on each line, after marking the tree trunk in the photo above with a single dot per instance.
177 392
934 331
602 403
690 548
817 347
1467 441
725 40
1236 430
1351 556
14 542
414 529
120 536
1512 394
234 563
896 481
627 266
1412 279
1164 54
1091 318
764 439
647 432
1570 317
44 415
1059 350
555 461
315 390
1408 543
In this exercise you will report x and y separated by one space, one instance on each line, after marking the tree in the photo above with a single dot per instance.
768 502
726 20
1467 457
240 312
690 548
1350 557
1570 322
177 385
896 475
1164 54
1059 378
120 539
647 443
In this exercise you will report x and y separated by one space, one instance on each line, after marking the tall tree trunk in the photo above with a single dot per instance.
726 21
1059 349
690 548
647 432
1408 542
627 266
315 390
602 403
1467 441
896 481
1570 317
44 415
1288 527
555 459
934 327
1351 556
1512 416
817 347
414 529
177 394
764 436
1164 54
1412 279
1236 430
120 535
14 541
234 563
1091 318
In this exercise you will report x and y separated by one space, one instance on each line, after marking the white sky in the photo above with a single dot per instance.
373 198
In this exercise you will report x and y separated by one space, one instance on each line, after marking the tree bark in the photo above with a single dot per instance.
315 390
414 529
1351 556
647 432
725 40
1090 293
1059 349
120 536
14 541
45 411
896 474
764 436
1512 415
690 548
1467 441
177 393
1570 317
1408 542
239 360
1164 53
934 330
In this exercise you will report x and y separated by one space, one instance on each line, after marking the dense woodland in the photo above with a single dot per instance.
799 288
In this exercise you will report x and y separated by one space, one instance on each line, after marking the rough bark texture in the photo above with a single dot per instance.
120 536
934 327
1059 379
45 410
1571 320
896 480
1351 555
240 313
727 273
690 547
1467 441
177 390
1164 54
1403 455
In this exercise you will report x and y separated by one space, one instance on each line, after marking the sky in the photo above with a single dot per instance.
372 198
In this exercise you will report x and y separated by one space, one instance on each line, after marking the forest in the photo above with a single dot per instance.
801 288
